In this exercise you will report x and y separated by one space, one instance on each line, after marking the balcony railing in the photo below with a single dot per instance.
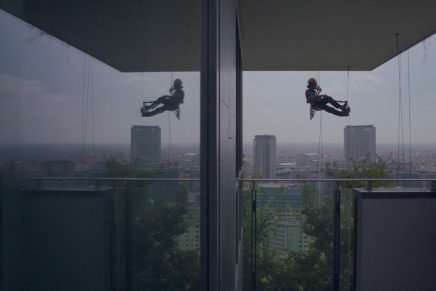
290 207
134 233
295 233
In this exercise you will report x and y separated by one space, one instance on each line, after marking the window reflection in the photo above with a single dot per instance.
72 138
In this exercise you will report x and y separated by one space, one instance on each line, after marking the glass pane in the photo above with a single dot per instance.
290 156
99 145
288 236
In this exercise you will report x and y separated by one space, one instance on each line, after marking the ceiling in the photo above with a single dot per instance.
131 36
276 35
329 34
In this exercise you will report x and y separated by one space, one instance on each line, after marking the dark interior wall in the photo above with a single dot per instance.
67 242
55 239
11 213
395 240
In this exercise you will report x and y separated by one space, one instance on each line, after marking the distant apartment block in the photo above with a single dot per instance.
265 156
190 239
277 195
286 201
359 143
145 144
289 235
59 168
307 160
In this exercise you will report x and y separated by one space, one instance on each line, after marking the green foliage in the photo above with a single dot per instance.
314 268
310 270
116 169
160 212
160 263
317 221
361 170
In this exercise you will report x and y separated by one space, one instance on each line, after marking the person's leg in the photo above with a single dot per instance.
150 105
147 106
154 112
322 104
345 105
153 104
333 102
335 111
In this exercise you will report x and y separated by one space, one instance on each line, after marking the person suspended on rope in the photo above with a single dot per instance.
168 102
320 101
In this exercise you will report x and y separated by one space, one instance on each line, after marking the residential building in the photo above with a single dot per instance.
265 156
307 160
145 145
359 143
289 235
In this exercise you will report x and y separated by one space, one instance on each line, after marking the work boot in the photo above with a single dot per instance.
344 107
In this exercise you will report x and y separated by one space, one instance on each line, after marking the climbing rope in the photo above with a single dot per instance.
410 115
320 143
349 118
141 99
400 130
91 91
320 151
170 143
348 93
87 102
142 28
83 106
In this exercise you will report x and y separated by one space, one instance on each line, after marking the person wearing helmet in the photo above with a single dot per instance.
169 102
320 102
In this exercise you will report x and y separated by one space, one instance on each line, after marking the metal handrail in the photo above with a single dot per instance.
240 179
113 179
340 180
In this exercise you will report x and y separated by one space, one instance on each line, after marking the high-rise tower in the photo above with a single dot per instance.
265 156
359 143
145 144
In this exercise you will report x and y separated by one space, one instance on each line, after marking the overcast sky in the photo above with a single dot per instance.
42 94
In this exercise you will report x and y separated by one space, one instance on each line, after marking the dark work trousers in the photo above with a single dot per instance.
167 104
323 104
